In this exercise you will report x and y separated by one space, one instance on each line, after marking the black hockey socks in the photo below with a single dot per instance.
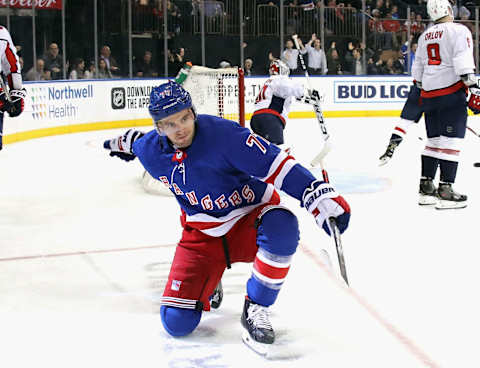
429 166
448 171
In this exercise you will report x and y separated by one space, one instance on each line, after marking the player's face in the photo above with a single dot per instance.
179 128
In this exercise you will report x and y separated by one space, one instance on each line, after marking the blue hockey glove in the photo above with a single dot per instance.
122 146
321 200
474 100
15 106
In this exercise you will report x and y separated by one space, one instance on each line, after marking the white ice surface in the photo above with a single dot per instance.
84 254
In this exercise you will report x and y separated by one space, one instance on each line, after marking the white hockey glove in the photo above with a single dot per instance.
321 200
122 146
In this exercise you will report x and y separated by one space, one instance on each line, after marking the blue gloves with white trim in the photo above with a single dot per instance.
122 145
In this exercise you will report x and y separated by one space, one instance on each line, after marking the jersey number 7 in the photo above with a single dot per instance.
253 140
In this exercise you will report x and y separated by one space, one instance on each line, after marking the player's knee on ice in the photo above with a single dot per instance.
179 322
278 232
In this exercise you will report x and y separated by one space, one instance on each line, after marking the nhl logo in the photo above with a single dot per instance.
118 98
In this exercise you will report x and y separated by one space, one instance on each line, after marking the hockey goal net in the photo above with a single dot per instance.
219 92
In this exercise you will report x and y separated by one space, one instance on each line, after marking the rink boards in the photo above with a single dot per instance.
61 107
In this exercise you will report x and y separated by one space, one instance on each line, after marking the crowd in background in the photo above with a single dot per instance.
389 49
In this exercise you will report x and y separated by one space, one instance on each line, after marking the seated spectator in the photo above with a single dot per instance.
90 71
317 61
78 68
144 67
247 67
53 61
38 72
103 71
387 67
112 65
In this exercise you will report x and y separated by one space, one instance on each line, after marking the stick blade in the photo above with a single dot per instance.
318 159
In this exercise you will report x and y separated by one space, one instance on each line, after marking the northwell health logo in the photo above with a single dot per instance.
58 102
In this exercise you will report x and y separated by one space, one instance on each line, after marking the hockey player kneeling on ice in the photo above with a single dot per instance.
225 180
444 67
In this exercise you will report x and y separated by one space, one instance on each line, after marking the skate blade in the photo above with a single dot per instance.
448 205
425 200
257 347
384 161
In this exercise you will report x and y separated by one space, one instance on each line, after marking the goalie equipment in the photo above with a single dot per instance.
258 334
278 67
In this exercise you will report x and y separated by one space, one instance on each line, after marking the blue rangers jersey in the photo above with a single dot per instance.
223 175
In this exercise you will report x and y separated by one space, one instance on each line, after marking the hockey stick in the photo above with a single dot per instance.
318 159
473 131
338 246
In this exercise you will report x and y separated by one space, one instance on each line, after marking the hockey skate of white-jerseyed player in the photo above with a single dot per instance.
225 180
444 66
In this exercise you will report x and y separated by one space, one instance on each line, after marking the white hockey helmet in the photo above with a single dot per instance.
437 9
278 67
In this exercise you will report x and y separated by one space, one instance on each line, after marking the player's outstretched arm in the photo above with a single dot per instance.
122 145
324 203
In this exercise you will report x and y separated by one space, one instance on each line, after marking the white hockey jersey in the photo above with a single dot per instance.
276 96
444 53
10 66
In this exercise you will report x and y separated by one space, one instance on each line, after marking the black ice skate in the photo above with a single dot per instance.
258 334
394 142
448 198
427 193
217 296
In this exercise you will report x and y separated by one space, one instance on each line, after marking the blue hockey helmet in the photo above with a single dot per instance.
168 99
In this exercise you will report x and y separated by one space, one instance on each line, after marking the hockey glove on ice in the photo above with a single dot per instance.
122 146
15 106
321 200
